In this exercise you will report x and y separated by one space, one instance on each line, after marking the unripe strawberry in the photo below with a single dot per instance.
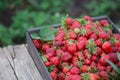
77 30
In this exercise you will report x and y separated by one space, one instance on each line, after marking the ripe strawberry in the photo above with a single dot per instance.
93 36
53 75
60 37
81 45
72 35
117 36
99 51
55 61
107 47
113 57
72 48
65 69
75 24
108 68
45 47
61 76
104 22
84 68
48 63
73 77
59 52
87 62
69 21
94 76
66 56
93 64
74 61
58 43
51 50
103 60
93 58
86 54
98 42
37 43
88 18
81 38
75 70
104 75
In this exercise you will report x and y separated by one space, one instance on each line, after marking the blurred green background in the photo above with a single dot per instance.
17 16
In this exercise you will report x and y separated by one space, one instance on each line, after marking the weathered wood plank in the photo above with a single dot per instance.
6 70
22 63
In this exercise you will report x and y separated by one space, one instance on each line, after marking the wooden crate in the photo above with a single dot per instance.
36 55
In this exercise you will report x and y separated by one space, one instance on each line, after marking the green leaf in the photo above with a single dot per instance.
50 68
35 36
44 58
63 21
112 40
47 34
118 54
116 68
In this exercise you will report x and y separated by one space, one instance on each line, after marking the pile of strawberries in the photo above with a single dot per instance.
80 50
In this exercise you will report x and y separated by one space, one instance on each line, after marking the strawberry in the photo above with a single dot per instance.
113 57
66 56
94 76
93 64
65 69
104 22
75 24
55 61
48 63
81 45
60 37
51 50
93 36
93 58
84 68
37 43
75 70
61 76
53 75
107 47
45 47
88 18
98 42
87 62
74 61
58 43
72 35
104 75
69 21
59 52
103 60
72 48
108 68
73 77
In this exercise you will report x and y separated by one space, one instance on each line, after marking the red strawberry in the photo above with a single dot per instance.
108 68
72 35
117 36
94 76
103 22
107 47
75 24
59 52
103 60
81 45
61 76
60 37
53 75
103 35
66 56
99 51
45 47
72 48
93 65
65 69
113 57
93 36
86 54
51 50
75 70
84 68
104 75
73 77
87 61
48 63
98 42
55 61
93 58
58 43
37 43
88 18
81 38
74 61
69 21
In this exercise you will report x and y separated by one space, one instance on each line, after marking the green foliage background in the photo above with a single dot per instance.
34 13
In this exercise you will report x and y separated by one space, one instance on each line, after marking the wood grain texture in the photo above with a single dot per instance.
21 63
6 71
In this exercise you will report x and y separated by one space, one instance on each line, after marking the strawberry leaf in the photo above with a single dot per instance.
118 54
115 67
47 34
63 21
35 36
